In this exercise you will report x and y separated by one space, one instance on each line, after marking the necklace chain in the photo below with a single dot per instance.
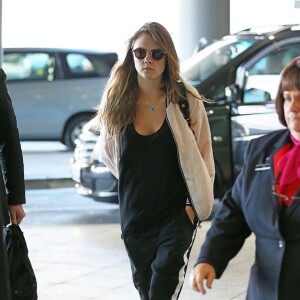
152 107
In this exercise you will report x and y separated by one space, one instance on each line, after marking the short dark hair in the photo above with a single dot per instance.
289 80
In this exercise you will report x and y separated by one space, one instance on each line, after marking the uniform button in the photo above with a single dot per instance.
280 244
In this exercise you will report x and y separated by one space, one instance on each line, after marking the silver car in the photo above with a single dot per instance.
55 91
91 176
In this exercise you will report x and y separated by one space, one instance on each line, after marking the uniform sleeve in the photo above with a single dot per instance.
11 157
228 231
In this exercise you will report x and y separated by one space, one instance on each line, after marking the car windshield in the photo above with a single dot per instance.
209 60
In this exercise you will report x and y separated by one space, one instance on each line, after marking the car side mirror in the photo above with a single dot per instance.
254 95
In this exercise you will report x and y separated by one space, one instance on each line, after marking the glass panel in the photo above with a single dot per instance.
29 66
79 63
212 58
263 76
86 65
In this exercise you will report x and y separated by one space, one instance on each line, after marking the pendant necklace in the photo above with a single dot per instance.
152 107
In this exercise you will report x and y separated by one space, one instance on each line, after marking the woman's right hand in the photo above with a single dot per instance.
16 213
201 272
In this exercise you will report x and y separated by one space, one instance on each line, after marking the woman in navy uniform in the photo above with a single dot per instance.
265 201
12 187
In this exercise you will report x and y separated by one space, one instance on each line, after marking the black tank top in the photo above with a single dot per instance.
152 190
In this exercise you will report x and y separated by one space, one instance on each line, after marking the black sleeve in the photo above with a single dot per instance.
11 157
228 231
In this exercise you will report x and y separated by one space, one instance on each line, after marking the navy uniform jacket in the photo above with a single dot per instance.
12 188
11 159
251 207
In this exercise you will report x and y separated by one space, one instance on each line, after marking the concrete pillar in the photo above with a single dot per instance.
201 19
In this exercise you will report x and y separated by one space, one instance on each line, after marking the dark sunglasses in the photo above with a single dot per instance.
141 53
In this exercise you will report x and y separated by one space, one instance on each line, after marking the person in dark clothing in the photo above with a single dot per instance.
12 186
159 160
265 201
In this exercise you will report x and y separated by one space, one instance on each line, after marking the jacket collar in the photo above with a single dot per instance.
282 141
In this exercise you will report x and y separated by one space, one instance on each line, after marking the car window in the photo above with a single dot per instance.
29 66
87 65
211 59
263 76
79 63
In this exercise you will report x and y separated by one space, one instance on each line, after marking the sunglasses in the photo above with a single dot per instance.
156 54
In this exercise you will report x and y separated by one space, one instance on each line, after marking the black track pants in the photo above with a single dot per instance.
159 263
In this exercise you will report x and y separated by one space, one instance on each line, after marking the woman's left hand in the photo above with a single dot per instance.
190 212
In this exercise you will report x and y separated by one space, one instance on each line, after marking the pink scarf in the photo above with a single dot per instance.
289 165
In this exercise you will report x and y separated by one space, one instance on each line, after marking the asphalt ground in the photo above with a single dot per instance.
46 165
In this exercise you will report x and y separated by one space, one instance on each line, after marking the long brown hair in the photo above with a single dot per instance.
118 104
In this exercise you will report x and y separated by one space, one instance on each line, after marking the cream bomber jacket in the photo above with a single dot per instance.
194 152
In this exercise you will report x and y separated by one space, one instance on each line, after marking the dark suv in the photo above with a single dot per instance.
241 73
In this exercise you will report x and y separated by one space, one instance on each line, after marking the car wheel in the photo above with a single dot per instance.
73 129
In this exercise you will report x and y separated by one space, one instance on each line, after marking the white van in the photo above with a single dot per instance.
55 91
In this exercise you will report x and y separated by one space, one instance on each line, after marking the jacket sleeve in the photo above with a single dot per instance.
229 229
11 157
108 152
201 129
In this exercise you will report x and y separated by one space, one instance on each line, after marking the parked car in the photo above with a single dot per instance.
91 176
55 91
241 73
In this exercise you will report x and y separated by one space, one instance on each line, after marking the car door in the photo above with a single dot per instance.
258 79
219 117
31 78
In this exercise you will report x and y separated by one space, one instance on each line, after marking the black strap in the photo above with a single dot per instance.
184 104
